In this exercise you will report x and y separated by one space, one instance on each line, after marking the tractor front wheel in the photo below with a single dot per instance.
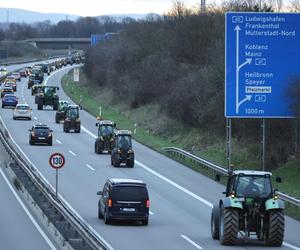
214 222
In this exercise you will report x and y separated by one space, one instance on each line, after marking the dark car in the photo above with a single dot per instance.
40 134
6 90
23 73
9 100
124 199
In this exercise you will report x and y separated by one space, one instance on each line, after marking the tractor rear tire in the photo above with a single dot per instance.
214 222
275 230
55 105
56 118
40 104
97 148
229 225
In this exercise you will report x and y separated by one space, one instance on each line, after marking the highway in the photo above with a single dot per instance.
181 199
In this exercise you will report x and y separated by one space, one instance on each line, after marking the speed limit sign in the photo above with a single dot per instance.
57 160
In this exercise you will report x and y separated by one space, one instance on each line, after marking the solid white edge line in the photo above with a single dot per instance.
290 246
90 167
190 241
175 184
27 212
178 186
71 152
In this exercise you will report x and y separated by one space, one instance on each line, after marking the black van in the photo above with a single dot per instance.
124 199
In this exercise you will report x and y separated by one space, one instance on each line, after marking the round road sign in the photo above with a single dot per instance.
57 160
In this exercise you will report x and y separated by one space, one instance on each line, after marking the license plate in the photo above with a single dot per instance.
128 209
41 138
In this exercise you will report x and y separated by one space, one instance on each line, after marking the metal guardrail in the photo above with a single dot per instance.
221 170
48 191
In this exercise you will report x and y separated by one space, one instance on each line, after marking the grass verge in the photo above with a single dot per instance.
150 121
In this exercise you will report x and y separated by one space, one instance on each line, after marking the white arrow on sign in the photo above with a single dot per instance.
237 71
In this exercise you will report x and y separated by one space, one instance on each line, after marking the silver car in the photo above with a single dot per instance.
22 111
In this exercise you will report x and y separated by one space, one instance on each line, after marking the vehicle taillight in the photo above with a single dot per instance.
109 203
148 204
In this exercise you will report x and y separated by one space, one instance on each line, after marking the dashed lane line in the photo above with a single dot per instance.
90 167
71 152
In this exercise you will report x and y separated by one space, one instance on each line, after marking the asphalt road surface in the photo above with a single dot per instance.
181 199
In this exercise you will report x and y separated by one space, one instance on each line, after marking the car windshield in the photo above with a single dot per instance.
23 107
49 91
41 129
73 112
106 130
129 193
253 186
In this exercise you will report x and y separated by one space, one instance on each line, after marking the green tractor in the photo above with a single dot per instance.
47 97
252 207
72 120
122 152
60 114
106 135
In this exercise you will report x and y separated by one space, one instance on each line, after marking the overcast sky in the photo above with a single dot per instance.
97 7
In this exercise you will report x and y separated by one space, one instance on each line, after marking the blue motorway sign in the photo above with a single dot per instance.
262 58
96 38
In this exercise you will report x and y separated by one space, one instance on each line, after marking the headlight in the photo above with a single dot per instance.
130 151
32 134
101 138
78 120
119 151
50 134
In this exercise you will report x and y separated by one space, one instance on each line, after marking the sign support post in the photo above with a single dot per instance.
56 161
262 143
228 142
56 183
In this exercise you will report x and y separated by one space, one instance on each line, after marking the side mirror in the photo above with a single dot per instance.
29 130
99 193
217 177
224 192
278 179
57 88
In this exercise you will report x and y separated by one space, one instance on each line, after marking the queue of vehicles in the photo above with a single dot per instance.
251 205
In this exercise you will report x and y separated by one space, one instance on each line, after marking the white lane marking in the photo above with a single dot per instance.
35 118
163 177
190 241
58 141
71 152
290 246
178 186
175 184
27 212
51 187
48 77
90 167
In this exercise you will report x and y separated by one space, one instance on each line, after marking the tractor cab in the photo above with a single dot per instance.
60 114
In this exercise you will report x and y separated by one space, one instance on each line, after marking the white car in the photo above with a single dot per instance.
3 71
22 111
